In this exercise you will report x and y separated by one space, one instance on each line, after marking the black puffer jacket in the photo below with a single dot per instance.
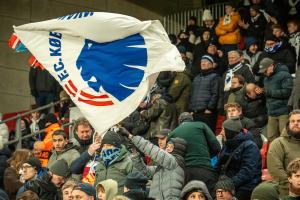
204 93
4 155
44 188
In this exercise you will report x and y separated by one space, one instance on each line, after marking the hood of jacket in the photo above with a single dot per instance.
110 187
195 185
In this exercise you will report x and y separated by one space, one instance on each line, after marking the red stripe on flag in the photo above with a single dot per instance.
90 96
96 103
68 89
72 85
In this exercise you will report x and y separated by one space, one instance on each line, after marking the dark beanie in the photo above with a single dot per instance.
50 118
249 41
179 146
271 37
112 138
135 180
34 162
60 168
232 127
226 184
266 191
86 188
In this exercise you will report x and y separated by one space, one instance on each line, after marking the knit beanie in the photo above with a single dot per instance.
34 162
50 118
112 138
60 168
179 146
249 41
266 191
135 180
208 58
207 15
226 184
232 127
87 188
271 37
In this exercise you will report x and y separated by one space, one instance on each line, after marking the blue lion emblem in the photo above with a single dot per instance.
110 65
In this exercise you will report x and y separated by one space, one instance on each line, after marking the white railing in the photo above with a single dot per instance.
175 22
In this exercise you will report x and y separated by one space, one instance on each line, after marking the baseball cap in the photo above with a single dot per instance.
264 64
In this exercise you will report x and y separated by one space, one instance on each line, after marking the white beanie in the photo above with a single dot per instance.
207 15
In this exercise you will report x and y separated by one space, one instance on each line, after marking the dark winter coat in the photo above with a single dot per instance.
278 88
245 166
204 94
257 26
11 182
4 155
44 188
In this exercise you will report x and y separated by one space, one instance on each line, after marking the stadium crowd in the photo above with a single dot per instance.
226 128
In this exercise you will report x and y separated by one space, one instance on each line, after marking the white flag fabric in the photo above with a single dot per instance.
106 62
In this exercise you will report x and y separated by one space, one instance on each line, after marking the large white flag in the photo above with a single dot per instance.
106 62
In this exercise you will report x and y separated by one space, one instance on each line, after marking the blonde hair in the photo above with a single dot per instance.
120 197
19 157
69 184
293 167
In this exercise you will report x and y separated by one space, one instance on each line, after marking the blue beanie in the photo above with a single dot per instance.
208 57
249 41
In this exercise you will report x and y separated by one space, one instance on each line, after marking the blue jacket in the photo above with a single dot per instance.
245 166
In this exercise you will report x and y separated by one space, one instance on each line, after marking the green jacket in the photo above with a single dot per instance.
117 170
281 152
180 91
69 153
237 94
202 144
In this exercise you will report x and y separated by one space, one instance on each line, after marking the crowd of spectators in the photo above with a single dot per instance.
199 134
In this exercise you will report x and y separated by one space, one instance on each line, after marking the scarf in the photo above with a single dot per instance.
110 155
273 49
229 75
227 19
293 4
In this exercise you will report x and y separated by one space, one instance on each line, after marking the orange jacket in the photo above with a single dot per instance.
229 33
48 138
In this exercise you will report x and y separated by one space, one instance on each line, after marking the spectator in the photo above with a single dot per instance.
240 159
162 138
84 191
62 149
12 181
225 189
25 130
209 23
107 189
273 49
183 38
283 150
4 156
52 125
204 93
135 122
87 162
201 47
83 136
251 52
161 115
64 105
37 123
227 29
135 186
278 31
193 29
237 88
4 134
67 189
294 101
114 162
253 104
28 195
294 38
265 191
293 172
38 152
213 49
278 85
195 190
170 166
201 146
48 187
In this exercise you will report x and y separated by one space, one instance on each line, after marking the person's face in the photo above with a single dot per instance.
212 49
270 43
196 196
191 22
277 32
233 58
59 142
294 180
228 9
162 142
269 71
170 148
292 28
235 83
101 193
84 132
233 112
183 36
58 181
223 195
79 195
206 35
205 65
253 48
35 115
294 123
67 193
253 12
250 92
29 172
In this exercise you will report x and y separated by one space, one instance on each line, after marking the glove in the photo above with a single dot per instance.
124 132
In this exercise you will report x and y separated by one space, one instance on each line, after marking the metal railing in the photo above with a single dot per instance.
175 22
18 131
